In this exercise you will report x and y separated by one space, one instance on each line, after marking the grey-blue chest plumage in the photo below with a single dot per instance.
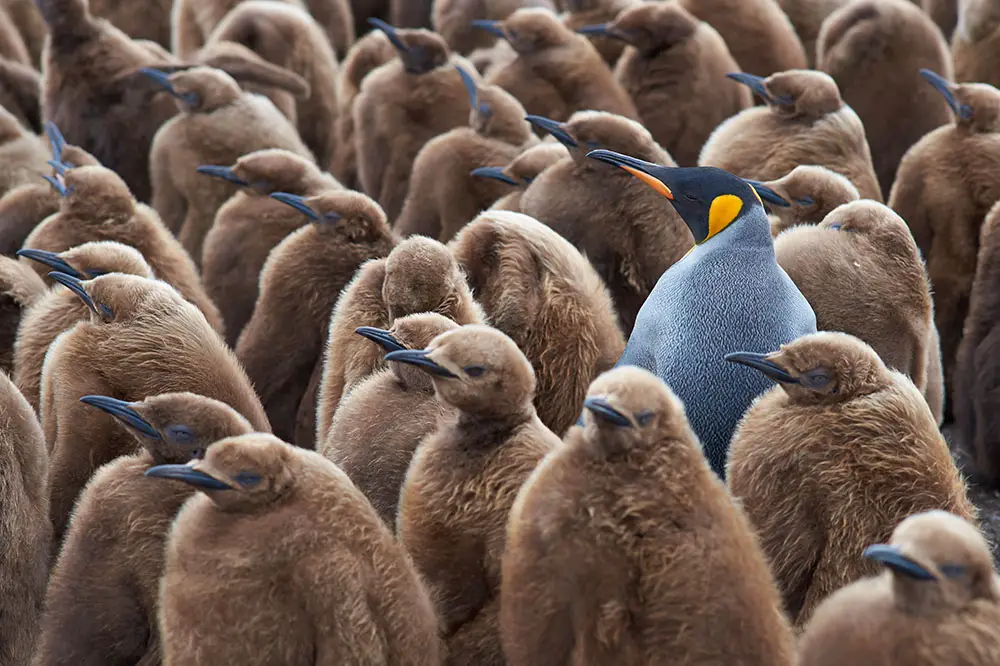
728 295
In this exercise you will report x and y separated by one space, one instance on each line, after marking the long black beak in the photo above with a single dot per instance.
418 357
767 194
296 202
56 140
944 86
556 129
470 86
603 30
223 172
57 185
492 27
603 410
53 261
59 167
160 78
74 285
890 556
122 411
391 33
381 337
188 475
762 363
653 175
752 81
496 173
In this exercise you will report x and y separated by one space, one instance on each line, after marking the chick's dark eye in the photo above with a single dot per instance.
106 311
247 479
644 417
952 570
474 370
592 144
835 226
96 273
817 379
180 434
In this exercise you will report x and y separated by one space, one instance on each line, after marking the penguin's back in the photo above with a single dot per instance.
706 306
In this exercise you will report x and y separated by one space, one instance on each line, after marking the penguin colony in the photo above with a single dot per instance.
476 333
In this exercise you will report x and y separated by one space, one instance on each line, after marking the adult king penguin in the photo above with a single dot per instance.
726 292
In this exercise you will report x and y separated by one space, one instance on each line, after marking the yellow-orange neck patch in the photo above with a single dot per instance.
725 208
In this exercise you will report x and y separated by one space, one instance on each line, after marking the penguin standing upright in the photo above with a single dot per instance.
726 292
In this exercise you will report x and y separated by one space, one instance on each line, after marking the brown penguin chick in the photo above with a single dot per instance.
12 46
944 189
805 121
807 18
811 193
338 585
675 71
251 224
345 229
556 72
614 219
288 37
874 50
522 171
937 601
377 457
58 309
139 19
974 392
831 460
402 105
371 51
758 33
217 124
975 46
419 275
23 155
20 287
444 195
19 94
30 26
96 205
945 14
94 92
888 303
452 19
120 351
538 289
464 479
102 601
582 13
629 504
24 568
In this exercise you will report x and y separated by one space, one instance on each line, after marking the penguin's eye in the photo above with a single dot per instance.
805 201
835 226
95 273
106 311
817 379
247 479
485 110
965 111
192 99
527 181
644 417
952 570
180 434
592 144
690 197
474 370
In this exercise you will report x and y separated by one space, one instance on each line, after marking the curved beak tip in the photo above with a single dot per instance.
381 337
893 558
52 260
761 363
605 411
419 358
123 412
555 128
297 202
495 173
187 475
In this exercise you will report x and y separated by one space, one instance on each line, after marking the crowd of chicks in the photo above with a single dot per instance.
528 332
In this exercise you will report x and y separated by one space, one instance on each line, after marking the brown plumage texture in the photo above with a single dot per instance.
452 19
20 287
758 33
463 482
976 370
944 13
525 168
944 190
287 36
100 207
13 44
671 562
402 105
20 94
340 589
874 50
23 155
892 619
250 225
30 26
824 469
122 354
807 18
811 192
220 125
675 72
556 72
59 309
580 13
443 195
139 19
24 526
626 229
93 91
975 47
367 54
411 13
538 289
419 275
880 292
299 285
814 127
378 426
102 601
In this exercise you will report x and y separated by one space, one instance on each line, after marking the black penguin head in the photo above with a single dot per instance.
708 199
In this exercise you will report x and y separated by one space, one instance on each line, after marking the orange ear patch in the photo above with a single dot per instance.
725 208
